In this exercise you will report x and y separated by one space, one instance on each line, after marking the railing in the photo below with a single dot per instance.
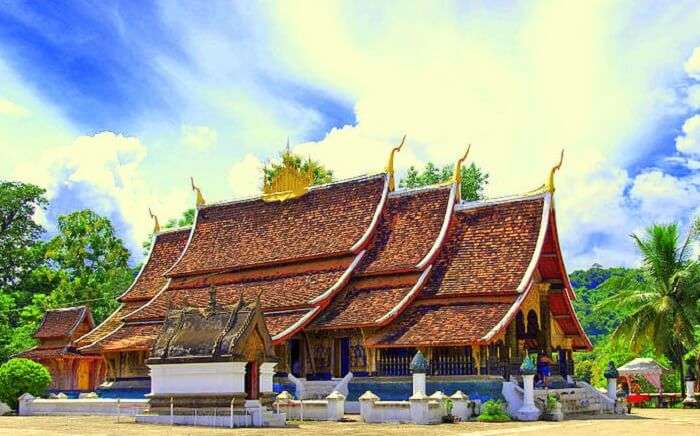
450 364
394 365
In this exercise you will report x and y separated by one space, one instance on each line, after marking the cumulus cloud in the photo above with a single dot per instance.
104 172
245 176
689 141
692 65
693 98
12 109
199 137
663 197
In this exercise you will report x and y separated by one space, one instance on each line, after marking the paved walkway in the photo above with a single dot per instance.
642 422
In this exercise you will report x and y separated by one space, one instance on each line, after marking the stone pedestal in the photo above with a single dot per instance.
528 411
418 383
419 408
690 400
367 401
612 389
267 371
336 406
461 406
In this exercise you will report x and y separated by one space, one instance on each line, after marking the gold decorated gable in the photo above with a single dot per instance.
288 183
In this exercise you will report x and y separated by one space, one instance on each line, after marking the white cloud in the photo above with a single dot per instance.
245 176
693 99
662 197
104 172
199 137
692 65
689 142
12 109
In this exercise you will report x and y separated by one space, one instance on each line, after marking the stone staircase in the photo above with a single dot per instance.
582 399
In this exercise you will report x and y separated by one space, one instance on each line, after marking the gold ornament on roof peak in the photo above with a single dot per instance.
156 224
549 184
390 164
200 198
457 178
289 182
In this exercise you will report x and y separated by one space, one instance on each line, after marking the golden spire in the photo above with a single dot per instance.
390 164
200 198
289 182
549 184
156 224
457 178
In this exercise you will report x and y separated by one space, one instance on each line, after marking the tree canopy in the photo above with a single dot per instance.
474 179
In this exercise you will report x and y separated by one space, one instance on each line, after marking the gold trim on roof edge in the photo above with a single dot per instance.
200 198
390 165
156 224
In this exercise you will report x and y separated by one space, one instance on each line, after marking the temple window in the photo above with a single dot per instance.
452 361
395 361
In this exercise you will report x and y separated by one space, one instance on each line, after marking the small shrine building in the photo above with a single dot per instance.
356 276
57 335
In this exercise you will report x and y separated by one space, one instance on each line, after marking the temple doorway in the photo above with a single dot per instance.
342 360
251 381
295 357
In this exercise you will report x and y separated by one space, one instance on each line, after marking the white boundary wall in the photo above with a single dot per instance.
30 406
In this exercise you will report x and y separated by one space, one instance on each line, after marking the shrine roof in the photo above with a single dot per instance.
47 353
166 249
329 220
440 325
129 337
278 322
411 225
274 292
61 323
110 324
490 248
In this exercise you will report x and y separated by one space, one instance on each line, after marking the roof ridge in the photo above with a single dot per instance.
173 230
311 188
402 192
498 200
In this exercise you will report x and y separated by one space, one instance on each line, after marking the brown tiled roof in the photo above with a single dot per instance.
47 353
488 249
410 226
275 293
60 323
108 325
440 325
277 322
360 307
127 338
326 221
167 247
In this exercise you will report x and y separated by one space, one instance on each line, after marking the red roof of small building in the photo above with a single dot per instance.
61 323
440 325
134 337
48 353
328 220
110 324
167 248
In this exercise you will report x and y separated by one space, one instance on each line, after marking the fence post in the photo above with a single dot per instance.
172 410
118 408
195 417
231 413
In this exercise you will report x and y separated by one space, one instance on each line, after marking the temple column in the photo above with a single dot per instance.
267 371
545 319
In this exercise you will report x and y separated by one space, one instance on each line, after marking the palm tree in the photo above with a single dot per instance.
660 303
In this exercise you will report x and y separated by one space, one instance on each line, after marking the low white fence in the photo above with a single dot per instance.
419 409
29 405
332 408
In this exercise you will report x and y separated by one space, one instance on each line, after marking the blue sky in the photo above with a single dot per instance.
113 105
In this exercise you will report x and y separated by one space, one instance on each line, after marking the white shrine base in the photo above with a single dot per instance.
200 378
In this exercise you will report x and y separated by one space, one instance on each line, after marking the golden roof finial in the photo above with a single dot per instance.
457 178
156 224
289 182
390 164
549 184
200 198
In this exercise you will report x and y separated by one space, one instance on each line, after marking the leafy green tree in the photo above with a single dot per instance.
93 262
20 376
319 173
661 310
474 179
19 233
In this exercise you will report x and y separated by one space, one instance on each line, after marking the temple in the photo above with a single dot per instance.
57 335
356 276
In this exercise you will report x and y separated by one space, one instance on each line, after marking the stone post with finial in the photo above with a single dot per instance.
612 375
419 366
690 379
528 411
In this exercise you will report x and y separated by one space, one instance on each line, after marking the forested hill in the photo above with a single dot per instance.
586 284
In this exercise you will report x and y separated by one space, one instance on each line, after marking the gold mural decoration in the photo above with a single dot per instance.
390 164
290 182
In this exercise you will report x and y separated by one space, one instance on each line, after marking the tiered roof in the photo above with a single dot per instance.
57 332
416 264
